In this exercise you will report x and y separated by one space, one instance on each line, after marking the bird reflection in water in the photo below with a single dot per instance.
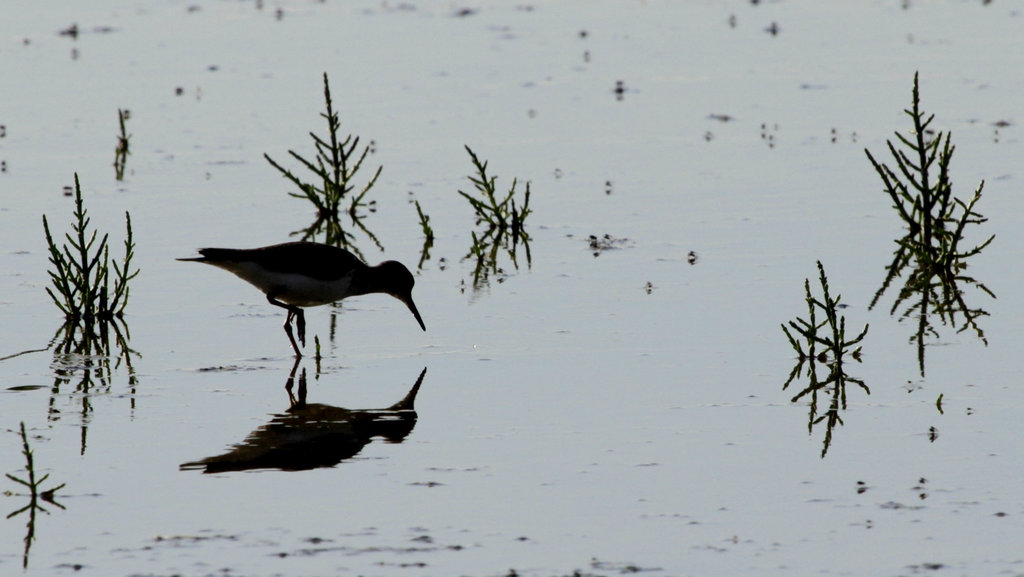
311 435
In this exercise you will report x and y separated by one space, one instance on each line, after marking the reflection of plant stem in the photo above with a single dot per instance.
428 235
316 357
83 356
121 150
34 495
837 380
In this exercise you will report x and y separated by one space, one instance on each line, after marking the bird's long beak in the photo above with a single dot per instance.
412 307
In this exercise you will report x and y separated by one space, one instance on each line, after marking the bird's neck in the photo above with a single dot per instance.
367 280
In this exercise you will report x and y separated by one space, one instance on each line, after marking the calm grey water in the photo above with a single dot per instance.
602 414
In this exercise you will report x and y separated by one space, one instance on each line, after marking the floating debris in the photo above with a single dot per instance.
768 132
620 89
71 32
599 244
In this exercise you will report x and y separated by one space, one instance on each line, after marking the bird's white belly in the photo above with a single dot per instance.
293 289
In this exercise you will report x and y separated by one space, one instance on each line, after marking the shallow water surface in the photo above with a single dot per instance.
614 405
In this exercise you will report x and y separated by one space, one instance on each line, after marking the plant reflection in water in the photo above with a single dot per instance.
85 360
831 335
428 235
121 151
922 194
36 494
311 435
92 290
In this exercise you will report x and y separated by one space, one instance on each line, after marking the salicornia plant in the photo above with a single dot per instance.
919 185
922 192
91 289
823 342
333 169
830 333
501 223
87 285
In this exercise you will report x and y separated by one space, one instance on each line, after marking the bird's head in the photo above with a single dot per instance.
399 282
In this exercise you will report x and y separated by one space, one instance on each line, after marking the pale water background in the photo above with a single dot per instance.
572 417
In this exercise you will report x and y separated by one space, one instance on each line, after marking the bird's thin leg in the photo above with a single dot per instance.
291 337
292 312
300 323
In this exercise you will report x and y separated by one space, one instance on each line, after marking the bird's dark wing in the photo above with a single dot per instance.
318 261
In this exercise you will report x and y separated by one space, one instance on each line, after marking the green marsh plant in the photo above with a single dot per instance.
92 290
36 494
823 343
918 183
87 286
332 188
501 223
